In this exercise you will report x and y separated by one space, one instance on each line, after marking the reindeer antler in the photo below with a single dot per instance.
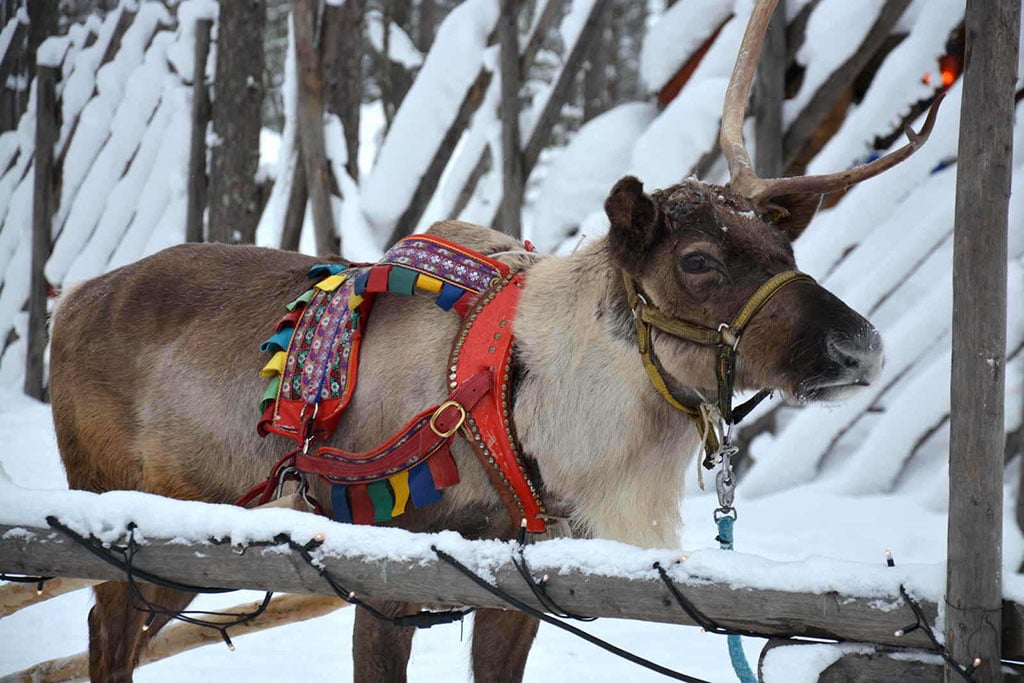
743 179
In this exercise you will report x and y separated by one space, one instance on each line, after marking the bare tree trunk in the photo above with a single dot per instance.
47 129
311 126
510 218
343 48
427 25
595 76
197 180
237 107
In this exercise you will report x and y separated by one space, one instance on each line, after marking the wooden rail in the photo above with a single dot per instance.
644 597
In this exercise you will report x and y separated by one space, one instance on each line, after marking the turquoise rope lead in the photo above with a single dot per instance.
736 655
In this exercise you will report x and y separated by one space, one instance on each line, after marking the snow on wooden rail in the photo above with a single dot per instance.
596 578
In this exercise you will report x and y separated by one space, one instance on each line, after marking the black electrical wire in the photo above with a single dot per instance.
548 619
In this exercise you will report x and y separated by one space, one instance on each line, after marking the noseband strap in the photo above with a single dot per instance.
725 338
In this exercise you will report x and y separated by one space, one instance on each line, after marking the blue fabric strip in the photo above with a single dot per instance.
448 296
421 486
322 270
279 342
361 280
339 504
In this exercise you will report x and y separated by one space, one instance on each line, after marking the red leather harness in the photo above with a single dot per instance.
479 406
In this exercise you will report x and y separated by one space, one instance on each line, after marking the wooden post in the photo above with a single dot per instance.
510 218
197 146
769 91
47 129
976 442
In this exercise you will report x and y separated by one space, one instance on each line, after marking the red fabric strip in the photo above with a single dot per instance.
378 281
442 467
361 504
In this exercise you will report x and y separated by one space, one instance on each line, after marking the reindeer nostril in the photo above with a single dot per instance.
854 352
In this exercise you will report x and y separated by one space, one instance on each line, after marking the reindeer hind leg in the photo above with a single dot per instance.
116 636
501 644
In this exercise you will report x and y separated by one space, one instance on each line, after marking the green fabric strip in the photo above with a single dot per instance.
402 280
302 300
271 393
383 501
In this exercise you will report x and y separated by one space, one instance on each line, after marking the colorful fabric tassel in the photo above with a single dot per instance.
401 281
270 395
278 342
428 284
449 295
275 366
361 280
330 284
361 504
400 486
339 504
301 300
442 466
383 502
378 281
290 320
421 486
322 270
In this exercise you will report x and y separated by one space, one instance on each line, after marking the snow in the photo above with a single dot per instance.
427 112
873 467
676 36
780 545
400 47
578 179
835 29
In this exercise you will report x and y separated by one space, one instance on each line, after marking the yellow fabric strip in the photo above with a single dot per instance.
400 485
428 284
329 284
354 301
275 366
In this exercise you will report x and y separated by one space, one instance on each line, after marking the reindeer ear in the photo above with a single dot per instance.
797 212
634 224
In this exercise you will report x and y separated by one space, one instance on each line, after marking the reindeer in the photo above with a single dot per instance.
153 372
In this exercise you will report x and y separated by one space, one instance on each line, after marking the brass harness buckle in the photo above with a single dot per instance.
437 413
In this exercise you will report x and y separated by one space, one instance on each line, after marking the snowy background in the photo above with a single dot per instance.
840 482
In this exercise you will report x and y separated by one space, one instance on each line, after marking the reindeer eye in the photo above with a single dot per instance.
697 263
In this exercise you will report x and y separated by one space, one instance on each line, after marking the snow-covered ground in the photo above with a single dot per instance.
804 523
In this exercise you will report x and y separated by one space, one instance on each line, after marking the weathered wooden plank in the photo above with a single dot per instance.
883 664
574 60
410 218
540 29
769 91
47 129
769 612
181 637
824 100
974 567
197 143
510 213
15 596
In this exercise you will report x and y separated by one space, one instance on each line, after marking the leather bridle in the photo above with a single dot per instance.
725 338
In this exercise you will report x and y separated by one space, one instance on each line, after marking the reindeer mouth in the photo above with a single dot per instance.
829 391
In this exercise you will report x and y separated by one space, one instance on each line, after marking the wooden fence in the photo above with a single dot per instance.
266 564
